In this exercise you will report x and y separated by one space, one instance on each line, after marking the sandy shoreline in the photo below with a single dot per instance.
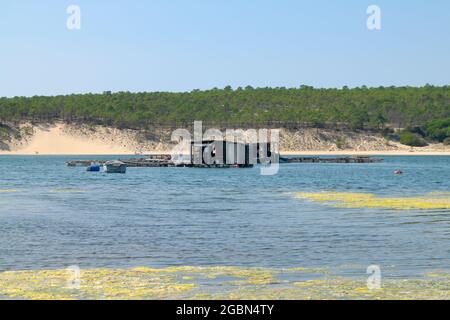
62 139
287 153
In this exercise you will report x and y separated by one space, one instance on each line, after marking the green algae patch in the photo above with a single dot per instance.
93 284
364 200
9 190
220 282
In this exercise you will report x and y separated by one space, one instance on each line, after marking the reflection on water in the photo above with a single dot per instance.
53 216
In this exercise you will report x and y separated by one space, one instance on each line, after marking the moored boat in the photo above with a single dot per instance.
94 167
115 166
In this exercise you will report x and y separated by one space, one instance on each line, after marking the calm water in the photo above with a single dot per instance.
61 216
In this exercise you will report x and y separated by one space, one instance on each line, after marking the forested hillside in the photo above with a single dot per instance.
352 108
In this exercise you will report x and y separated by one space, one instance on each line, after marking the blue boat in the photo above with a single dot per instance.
93 168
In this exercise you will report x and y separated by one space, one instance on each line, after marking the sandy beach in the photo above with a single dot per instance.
63 139
54 142
92 150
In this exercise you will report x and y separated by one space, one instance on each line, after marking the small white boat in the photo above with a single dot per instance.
115 166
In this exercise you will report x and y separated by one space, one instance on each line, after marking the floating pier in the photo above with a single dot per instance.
355 159
147 162
155 161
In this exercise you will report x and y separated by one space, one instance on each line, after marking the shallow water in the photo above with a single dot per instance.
213 283
53 216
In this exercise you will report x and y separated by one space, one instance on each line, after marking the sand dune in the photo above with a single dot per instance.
54 140
65 139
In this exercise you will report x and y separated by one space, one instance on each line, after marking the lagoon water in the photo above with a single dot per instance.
53 216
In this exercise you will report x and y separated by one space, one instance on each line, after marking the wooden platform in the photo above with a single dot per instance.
155 161
131 163
357 159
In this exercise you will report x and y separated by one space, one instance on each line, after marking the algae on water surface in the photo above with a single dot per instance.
213 283
366 200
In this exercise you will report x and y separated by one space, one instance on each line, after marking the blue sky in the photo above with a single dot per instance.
175 45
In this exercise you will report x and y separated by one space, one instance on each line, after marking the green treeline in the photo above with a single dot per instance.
434 130
358 108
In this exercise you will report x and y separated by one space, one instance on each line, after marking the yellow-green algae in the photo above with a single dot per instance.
365 200
9 190
213 283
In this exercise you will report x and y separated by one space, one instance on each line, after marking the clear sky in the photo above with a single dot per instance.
180 45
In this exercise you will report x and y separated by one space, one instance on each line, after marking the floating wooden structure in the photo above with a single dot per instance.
221 154
148 162
355 159
115 166
165 161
